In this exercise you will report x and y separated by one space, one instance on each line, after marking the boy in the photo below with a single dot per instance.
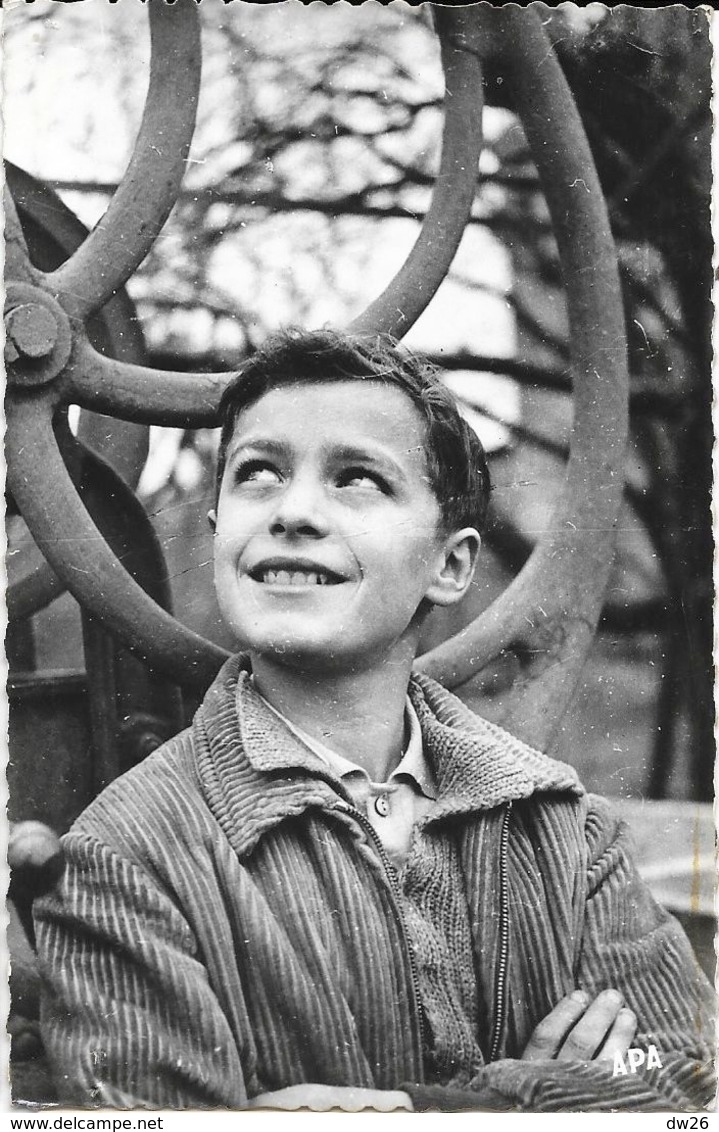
338 885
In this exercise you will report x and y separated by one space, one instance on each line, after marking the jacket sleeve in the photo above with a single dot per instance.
629 942
129 1018
633 944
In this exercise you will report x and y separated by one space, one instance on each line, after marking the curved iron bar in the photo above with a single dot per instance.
17 260
138 393
33 592
181 399
149 189
553 605
114 325
403 301
188 399
550 610
76 550
41 586
53 232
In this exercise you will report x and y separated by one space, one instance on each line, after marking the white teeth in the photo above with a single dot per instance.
299 579
294 578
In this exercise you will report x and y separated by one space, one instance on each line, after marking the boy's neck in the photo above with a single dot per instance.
359 715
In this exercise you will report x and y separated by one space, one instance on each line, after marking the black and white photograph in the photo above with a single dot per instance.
410 304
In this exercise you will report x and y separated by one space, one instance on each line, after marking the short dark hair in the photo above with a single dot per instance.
456 461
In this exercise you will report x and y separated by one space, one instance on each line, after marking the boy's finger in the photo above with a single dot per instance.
584 1039
620 1036
322 1098
548 1036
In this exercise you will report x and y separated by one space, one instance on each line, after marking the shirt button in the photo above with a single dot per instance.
381 805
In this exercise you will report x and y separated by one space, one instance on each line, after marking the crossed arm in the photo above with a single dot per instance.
577 1029
133 1019
640 985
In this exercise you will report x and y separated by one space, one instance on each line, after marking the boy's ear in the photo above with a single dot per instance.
453 579
212 519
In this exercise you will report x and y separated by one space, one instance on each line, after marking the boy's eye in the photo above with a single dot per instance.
257 472
360 477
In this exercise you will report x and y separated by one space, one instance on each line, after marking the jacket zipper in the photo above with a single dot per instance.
503 964
391 874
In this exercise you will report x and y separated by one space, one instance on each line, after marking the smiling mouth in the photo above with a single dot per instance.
296 578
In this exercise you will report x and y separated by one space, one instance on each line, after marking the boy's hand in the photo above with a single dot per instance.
581 1030
576 1030
321 1098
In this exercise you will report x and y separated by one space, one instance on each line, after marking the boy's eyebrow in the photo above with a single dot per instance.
267 444
342 451
366 455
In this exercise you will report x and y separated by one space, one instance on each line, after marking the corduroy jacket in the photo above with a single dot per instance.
224 929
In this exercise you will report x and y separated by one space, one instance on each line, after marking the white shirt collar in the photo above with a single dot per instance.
413 763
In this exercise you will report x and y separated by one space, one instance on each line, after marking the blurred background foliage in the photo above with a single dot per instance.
315 152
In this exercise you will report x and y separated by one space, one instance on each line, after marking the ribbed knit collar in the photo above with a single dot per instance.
412 763
256 773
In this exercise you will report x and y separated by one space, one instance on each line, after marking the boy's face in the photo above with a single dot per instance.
328 533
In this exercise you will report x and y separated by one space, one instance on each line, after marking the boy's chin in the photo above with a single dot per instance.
315 658
302 656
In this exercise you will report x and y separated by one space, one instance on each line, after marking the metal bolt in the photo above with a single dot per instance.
32 330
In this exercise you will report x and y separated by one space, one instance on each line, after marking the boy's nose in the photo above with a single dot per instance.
299 511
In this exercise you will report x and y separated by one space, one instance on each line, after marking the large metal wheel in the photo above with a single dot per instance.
550 611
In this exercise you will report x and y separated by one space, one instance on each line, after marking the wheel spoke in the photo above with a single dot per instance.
138 393
402 302
149 189
75 549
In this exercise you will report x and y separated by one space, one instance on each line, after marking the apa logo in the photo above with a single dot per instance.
635 1058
